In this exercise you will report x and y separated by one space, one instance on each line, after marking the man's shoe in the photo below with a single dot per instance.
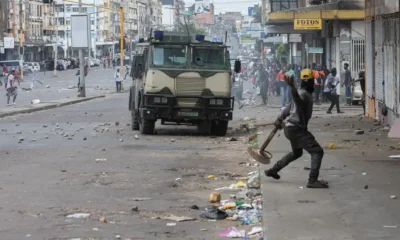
317 184
340 112
329 112
272 173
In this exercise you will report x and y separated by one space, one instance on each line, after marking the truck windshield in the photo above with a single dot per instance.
169 56
206 57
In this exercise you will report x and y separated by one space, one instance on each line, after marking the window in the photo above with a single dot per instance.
92 22
84 9
169 56
281 5
75 9
68 22
212 58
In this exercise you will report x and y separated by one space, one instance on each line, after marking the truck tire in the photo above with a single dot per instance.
147 127
135 119
220 128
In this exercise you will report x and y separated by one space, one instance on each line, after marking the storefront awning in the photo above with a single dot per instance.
290 16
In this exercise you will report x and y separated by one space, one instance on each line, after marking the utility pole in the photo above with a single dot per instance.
81 68
262 26
55 42
121 44
21 37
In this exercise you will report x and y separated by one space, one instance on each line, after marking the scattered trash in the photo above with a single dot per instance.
306 201
366 187
211 177
84 139
103 220
331 146
238 185
214 213
118 237
255 230
121 140
228 205
232 232
117 123
177 179
95 229
63 170
136 136
135 209
254 181
165 216
390 226
35 101
393 197
47 86
394 157
301 187
249 217
246 119
364 173
232 139
173 140
195 207
359 132
214 197
204 229
139 199
171 224
101 159
79 215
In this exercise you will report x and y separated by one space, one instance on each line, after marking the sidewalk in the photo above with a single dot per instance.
21 109
362 179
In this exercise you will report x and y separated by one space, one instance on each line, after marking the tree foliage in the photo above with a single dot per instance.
257 14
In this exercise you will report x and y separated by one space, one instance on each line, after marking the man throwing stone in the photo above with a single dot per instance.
298 113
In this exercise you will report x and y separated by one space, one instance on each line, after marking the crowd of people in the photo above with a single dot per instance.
270 79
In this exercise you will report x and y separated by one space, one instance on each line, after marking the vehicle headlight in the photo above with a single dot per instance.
216 102
160 100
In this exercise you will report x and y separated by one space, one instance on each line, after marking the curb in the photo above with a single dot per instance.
55 105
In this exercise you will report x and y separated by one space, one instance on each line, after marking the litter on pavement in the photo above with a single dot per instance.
232 232
79 215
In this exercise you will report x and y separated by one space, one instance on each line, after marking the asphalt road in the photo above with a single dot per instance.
75 159
99 81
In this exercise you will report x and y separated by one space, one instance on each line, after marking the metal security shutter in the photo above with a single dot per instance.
379 65
369 60
397 68
333 52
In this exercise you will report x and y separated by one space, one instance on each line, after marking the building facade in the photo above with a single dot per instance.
382 65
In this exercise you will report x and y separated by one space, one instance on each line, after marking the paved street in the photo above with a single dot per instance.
98 81
76 159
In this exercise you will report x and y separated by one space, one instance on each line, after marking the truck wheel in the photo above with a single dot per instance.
135 120
354 102
147 127
220 128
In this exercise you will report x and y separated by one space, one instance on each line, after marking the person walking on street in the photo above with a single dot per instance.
347 83
361 80
332 91
11 88
33 78
126 71
264 83
118 80
298 113
5 70
283 86
317 84
85 73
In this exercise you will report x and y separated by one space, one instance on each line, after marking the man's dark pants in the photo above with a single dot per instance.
317 93
301 139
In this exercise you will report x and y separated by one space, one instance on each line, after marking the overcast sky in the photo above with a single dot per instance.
229 5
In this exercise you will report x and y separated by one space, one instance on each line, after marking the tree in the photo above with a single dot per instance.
281 53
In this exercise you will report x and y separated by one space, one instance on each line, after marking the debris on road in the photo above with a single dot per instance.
79 215
359 132
135 209
171 224
84 139
214 197
232 232
101 160
393 197
211 177
214 213
366 187
232 139
47 86
35 101
136 136
139 199
165 216
390 226
254 231
121 140
195 207
364 173
331 146
103 220
394 156
116 123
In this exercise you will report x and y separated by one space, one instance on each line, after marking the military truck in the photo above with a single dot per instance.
181 79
